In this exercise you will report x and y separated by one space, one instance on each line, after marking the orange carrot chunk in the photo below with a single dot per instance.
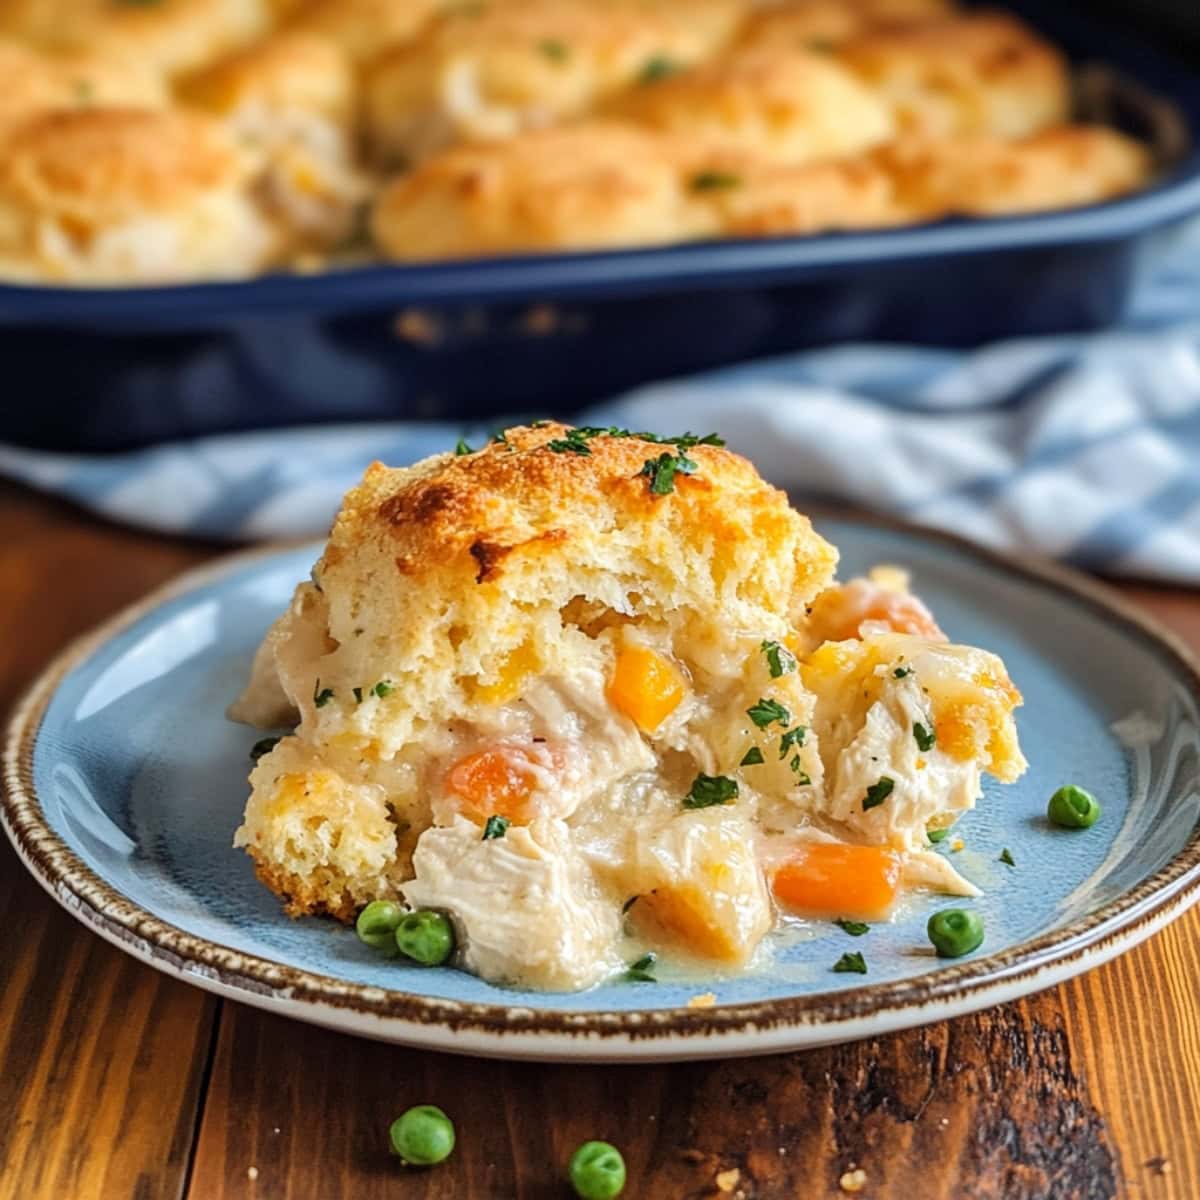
645 686
499 781
830 880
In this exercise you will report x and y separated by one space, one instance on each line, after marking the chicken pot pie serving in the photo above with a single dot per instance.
587 691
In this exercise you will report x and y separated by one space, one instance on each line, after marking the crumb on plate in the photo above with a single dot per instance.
853 1181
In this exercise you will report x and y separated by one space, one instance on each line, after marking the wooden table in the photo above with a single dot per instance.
118 1082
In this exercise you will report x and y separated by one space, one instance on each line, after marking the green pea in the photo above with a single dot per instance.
597 1171
422 1136
955 931
376 924
425 936
1073 808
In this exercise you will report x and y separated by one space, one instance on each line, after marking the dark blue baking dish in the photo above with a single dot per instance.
115 368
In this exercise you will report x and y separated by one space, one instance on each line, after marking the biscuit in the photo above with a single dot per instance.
363 29
37 82
779 105
1063 167
168 35
984 72
753 199
292 96
493 71
573 188
821 24
120 195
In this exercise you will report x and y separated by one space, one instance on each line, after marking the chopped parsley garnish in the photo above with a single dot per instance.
496 827
500 437
752 757
263 746
554 50
661 471
639 971
383 688
853 928
780 660
924 736
877 793
461 447
684 442
321 696
1007 858
573 443
937 835
801 776
708 790
767 712
853 962
901 672
792 740
658 67
713 181
629 904
357 695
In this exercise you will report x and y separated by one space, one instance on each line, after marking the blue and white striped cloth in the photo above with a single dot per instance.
1085 448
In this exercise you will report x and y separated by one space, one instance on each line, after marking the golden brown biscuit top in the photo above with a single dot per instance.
363 28
617 37
1077 164
986 44
595 184
36 81
542 488
169 34
293 71
107 164
821 23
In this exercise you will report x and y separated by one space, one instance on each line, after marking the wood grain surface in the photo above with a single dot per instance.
116 1082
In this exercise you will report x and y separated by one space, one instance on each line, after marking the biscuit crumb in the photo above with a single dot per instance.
252 1173
853 1181
418 327
957 844
726 1181
1160 1165
540 320
703 1000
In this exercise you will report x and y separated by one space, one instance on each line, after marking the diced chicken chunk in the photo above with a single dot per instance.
906 727
527 908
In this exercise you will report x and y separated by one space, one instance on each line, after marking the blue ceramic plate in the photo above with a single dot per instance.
125 784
